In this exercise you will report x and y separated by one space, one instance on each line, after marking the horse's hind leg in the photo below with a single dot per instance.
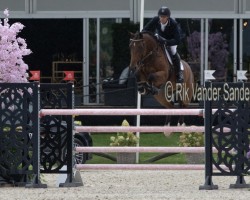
181 120
167 123
168 120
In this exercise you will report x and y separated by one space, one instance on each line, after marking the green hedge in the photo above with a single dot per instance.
121 53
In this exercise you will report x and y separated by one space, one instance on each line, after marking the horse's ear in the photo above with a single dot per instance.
132 35
140 35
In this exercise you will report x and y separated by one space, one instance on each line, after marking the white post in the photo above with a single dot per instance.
138 117
142 15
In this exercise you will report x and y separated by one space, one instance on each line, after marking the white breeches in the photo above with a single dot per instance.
173 49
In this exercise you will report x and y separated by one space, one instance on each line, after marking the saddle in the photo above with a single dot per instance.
168 54
169 57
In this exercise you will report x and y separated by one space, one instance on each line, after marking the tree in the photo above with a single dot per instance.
217 49
12 50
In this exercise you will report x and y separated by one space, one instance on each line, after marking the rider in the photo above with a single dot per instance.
167 32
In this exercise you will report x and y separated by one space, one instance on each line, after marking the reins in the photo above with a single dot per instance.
141 62
145 57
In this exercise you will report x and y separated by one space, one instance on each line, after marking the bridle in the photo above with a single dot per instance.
141 61
144 86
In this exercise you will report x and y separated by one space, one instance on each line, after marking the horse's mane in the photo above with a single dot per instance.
149 33
139 35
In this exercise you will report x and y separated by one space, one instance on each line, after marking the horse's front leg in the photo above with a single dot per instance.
181 120
141 82
157 79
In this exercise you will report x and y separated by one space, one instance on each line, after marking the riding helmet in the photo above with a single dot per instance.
164 11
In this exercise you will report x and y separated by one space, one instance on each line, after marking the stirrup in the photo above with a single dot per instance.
179 80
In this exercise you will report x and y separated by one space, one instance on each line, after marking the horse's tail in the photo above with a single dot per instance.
189 72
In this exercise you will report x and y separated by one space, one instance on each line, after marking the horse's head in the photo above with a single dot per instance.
143 51
142 47
136 49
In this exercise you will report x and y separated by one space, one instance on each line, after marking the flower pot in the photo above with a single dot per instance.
126 158
195 158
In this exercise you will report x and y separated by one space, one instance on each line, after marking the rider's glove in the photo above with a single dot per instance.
157 36
161 39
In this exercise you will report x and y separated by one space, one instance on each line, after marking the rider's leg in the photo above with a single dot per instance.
177 63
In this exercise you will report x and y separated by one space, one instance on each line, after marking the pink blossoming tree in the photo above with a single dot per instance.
12 49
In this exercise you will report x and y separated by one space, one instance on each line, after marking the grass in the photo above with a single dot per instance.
146 139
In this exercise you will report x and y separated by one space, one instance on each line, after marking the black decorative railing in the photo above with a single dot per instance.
56 131
19 138
30 145
227 129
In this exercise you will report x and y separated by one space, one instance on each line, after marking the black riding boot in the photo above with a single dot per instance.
179 72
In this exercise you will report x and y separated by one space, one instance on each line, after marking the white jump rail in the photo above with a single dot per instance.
144 167
145 129
143 149
139 167
121 112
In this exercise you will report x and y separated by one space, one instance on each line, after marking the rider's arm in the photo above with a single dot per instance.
151 25
176 34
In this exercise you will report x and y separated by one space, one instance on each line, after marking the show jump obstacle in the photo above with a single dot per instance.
226 129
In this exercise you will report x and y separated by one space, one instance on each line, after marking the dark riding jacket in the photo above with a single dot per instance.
171 32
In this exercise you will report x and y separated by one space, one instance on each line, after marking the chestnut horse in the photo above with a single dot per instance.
155 73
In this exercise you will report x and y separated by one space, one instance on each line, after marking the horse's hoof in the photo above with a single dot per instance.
155 92
167 134
179 124
141 90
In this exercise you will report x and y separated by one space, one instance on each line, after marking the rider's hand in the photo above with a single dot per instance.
161 39
157 36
